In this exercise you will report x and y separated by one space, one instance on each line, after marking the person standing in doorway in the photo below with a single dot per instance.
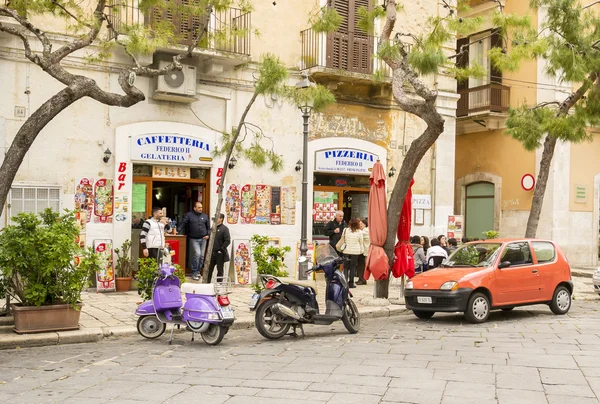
152 235
335 228
220 255
197 227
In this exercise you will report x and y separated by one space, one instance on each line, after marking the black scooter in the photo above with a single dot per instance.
286 302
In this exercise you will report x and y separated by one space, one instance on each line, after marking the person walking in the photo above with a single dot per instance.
418 254
354 249
197 227
152 236
335 228
220 255
362 260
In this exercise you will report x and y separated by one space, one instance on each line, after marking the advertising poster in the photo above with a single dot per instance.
242 262
103 201
263 204
288 202
232 204
324 207
105 277
455 226
121 207
249 204
182 173
84 196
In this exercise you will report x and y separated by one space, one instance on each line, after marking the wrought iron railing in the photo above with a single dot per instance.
492 97
228 31
346 51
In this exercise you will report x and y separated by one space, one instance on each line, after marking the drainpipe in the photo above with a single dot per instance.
433 184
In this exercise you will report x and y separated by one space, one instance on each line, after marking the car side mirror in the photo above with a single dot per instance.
504 264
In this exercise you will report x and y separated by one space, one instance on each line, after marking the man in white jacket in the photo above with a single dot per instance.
152 236
435 251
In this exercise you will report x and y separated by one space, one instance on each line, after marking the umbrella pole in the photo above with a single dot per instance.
402 287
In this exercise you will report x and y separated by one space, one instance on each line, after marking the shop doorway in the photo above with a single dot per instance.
175 190
479 209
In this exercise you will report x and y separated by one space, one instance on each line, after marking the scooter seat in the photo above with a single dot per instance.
306 284
207 289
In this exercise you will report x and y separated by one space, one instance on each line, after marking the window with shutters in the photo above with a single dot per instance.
30 199
481 94
350 48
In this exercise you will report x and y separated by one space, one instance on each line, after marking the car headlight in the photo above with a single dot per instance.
450 285
409 285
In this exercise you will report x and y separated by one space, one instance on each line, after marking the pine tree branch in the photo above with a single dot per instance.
47 46
70 14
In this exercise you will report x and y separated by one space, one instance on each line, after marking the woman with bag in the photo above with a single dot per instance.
352 245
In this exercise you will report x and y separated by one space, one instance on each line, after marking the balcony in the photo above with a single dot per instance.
493 97
344 56
228 31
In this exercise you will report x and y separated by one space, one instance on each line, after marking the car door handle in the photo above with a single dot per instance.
534 271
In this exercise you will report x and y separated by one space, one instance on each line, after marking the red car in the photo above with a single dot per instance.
494 274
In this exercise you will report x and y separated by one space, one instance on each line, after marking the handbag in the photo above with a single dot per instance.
341 244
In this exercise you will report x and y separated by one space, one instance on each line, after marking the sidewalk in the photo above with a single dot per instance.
113 315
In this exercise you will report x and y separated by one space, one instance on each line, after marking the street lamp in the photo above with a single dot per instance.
306 108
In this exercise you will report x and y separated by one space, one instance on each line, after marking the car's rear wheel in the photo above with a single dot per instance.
478 308
561 301
423 315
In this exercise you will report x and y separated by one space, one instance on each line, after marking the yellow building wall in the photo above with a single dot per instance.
496 153
585 164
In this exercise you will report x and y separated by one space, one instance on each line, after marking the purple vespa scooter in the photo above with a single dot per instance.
206 310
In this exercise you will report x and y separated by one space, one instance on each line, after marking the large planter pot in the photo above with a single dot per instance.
56 317
123 284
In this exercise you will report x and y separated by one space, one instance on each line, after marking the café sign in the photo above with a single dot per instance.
170 148
344 160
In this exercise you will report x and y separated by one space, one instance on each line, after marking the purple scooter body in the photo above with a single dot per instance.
202 312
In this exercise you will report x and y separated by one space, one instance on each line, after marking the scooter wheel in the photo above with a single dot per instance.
267 323
214 335
150 327
351 317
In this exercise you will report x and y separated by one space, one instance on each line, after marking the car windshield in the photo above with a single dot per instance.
473 255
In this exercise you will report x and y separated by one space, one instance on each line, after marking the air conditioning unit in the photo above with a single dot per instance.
178 85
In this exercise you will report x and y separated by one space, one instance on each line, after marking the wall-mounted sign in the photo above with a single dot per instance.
527 182
420 201
171 172
580 193
344 160
170 148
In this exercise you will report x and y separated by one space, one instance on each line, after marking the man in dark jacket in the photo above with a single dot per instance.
197 227
335 228
220 255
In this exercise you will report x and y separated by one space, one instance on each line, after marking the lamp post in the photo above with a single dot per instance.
306 108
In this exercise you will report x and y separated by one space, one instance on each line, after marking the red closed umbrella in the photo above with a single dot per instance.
377 262
404 262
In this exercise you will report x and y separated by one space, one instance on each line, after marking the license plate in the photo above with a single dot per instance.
424 299
227 312
254 301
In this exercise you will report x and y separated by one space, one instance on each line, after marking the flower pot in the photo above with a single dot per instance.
55 317
123 284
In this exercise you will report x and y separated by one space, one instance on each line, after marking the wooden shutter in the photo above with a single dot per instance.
462 61
189 23
496 42
350 48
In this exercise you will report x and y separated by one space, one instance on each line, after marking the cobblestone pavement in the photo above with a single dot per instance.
525 356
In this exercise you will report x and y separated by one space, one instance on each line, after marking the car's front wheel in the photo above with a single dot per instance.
478 308
561 301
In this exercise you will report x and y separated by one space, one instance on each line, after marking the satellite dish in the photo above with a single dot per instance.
174 79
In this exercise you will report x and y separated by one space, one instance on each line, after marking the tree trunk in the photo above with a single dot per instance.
409 166
540 187
213 230
29 132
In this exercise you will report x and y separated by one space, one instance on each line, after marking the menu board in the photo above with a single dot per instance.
275 205
263 204
249 204
288 200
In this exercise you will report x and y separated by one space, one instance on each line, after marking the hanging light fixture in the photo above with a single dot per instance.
232 162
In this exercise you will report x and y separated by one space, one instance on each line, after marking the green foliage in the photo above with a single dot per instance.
271 75
318 96
366 18
327 20
475 70
147 274
124 264
41 263
268 259
490 234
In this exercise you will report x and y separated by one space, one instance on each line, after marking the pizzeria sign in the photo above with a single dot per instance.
170 148
345 160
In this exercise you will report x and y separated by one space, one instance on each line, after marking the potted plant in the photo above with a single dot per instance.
45 271
123 267
268 258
